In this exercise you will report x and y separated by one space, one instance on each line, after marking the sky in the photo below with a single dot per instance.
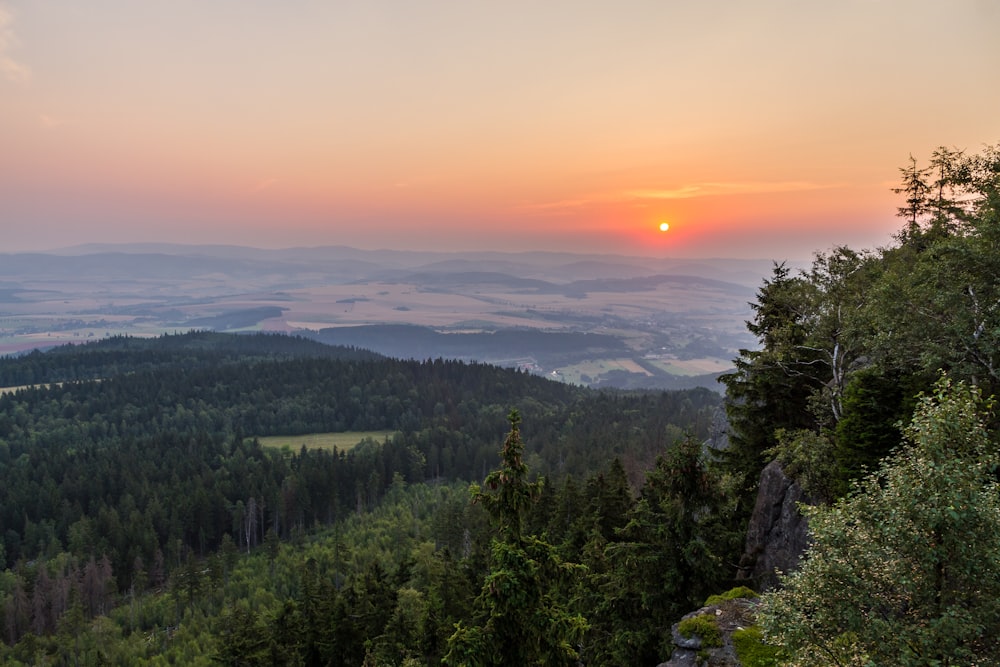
755 128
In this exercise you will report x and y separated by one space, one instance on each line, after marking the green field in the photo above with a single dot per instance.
342 441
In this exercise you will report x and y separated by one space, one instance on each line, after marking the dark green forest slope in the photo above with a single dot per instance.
120 354
138 457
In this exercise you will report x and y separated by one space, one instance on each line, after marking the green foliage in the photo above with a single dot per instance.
508 494
242 637
738 593
155 452
323 604
667 558
906 570
846 344
771 386
752 651
118 355
520 620
808 458
876 402
703 626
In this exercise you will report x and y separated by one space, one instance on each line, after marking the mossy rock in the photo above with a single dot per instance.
740 592
704 627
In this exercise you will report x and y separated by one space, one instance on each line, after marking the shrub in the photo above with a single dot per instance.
919 543
752 651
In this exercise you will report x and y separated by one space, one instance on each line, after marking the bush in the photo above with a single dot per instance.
919 543
752 651
808 458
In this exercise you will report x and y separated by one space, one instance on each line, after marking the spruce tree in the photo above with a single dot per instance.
519 619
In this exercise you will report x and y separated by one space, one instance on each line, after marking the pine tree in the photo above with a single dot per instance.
771 387
666 560
520 621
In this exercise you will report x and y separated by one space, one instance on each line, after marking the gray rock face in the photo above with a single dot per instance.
778 533
718 433
693 642
681 658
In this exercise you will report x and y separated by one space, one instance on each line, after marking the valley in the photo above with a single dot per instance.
653 322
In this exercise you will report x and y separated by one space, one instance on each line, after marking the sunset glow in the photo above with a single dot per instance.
460 126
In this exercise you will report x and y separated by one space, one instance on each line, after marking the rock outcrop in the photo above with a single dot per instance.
776 538
778 533
718 431
728 616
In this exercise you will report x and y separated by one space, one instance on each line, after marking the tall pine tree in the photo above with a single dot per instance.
519 619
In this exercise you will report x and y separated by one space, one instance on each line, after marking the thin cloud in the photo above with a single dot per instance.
710 189
689 191
559 207
10 69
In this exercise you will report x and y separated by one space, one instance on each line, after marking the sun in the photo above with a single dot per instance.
664 226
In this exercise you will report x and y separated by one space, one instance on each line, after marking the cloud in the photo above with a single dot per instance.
711 189
639 197
9 68
562 207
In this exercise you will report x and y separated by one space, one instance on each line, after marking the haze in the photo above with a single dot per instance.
765 129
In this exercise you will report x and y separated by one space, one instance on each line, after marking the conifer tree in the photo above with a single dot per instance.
665 560
771 387
519 619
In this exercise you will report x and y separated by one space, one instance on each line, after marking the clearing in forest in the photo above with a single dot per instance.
342 441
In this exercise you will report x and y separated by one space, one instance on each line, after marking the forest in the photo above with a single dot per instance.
126 460
509 519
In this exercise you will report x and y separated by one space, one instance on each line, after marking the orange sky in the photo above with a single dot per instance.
756 129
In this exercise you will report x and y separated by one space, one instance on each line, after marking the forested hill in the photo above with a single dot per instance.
159 455
124 354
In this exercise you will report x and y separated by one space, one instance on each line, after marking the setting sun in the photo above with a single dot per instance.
664 226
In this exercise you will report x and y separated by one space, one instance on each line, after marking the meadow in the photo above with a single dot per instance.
326 441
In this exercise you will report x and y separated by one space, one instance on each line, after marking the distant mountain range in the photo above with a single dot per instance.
372 264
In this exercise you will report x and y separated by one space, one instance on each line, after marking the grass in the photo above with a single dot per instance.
342 441
701 366
740 592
